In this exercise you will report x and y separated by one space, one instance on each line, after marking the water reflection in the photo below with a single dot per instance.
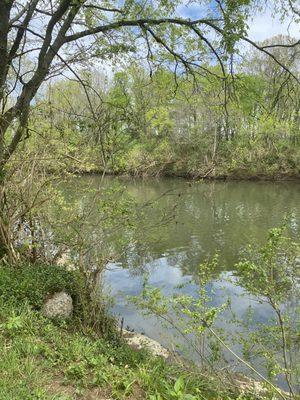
210 217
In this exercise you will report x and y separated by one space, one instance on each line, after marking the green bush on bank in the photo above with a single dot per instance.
33 283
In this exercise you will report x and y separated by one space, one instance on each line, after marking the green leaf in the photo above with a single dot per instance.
179 385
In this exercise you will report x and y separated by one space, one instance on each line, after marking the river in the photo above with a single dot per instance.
192 222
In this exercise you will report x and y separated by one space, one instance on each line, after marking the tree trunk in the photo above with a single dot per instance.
6 245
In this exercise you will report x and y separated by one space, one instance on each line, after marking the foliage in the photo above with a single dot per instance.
193 115
35 282
270 275
273 268
156 125
41 359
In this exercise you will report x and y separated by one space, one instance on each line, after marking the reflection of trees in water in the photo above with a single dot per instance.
210 217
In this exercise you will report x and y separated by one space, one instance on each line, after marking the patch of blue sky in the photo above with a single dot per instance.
262 24
194 11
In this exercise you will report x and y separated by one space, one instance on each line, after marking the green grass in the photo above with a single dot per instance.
44 359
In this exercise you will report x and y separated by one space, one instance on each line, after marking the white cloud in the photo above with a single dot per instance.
266 25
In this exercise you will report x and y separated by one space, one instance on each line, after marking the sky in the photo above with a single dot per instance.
264 26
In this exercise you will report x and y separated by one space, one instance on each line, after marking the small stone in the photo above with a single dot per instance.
59 305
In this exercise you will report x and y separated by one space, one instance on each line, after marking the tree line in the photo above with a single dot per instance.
155 123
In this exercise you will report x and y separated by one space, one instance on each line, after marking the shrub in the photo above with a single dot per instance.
35 282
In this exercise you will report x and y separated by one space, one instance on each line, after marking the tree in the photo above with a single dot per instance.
280 92
54 35
41 39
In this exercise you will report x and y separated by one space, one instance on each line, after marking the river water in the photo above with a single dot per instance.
200 219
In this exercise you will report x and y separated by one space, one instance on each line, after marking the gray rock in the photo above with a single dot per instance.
59 305
138 342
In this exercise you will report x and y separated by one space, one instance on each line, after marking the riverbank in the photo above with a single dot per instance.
239 175
54 359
